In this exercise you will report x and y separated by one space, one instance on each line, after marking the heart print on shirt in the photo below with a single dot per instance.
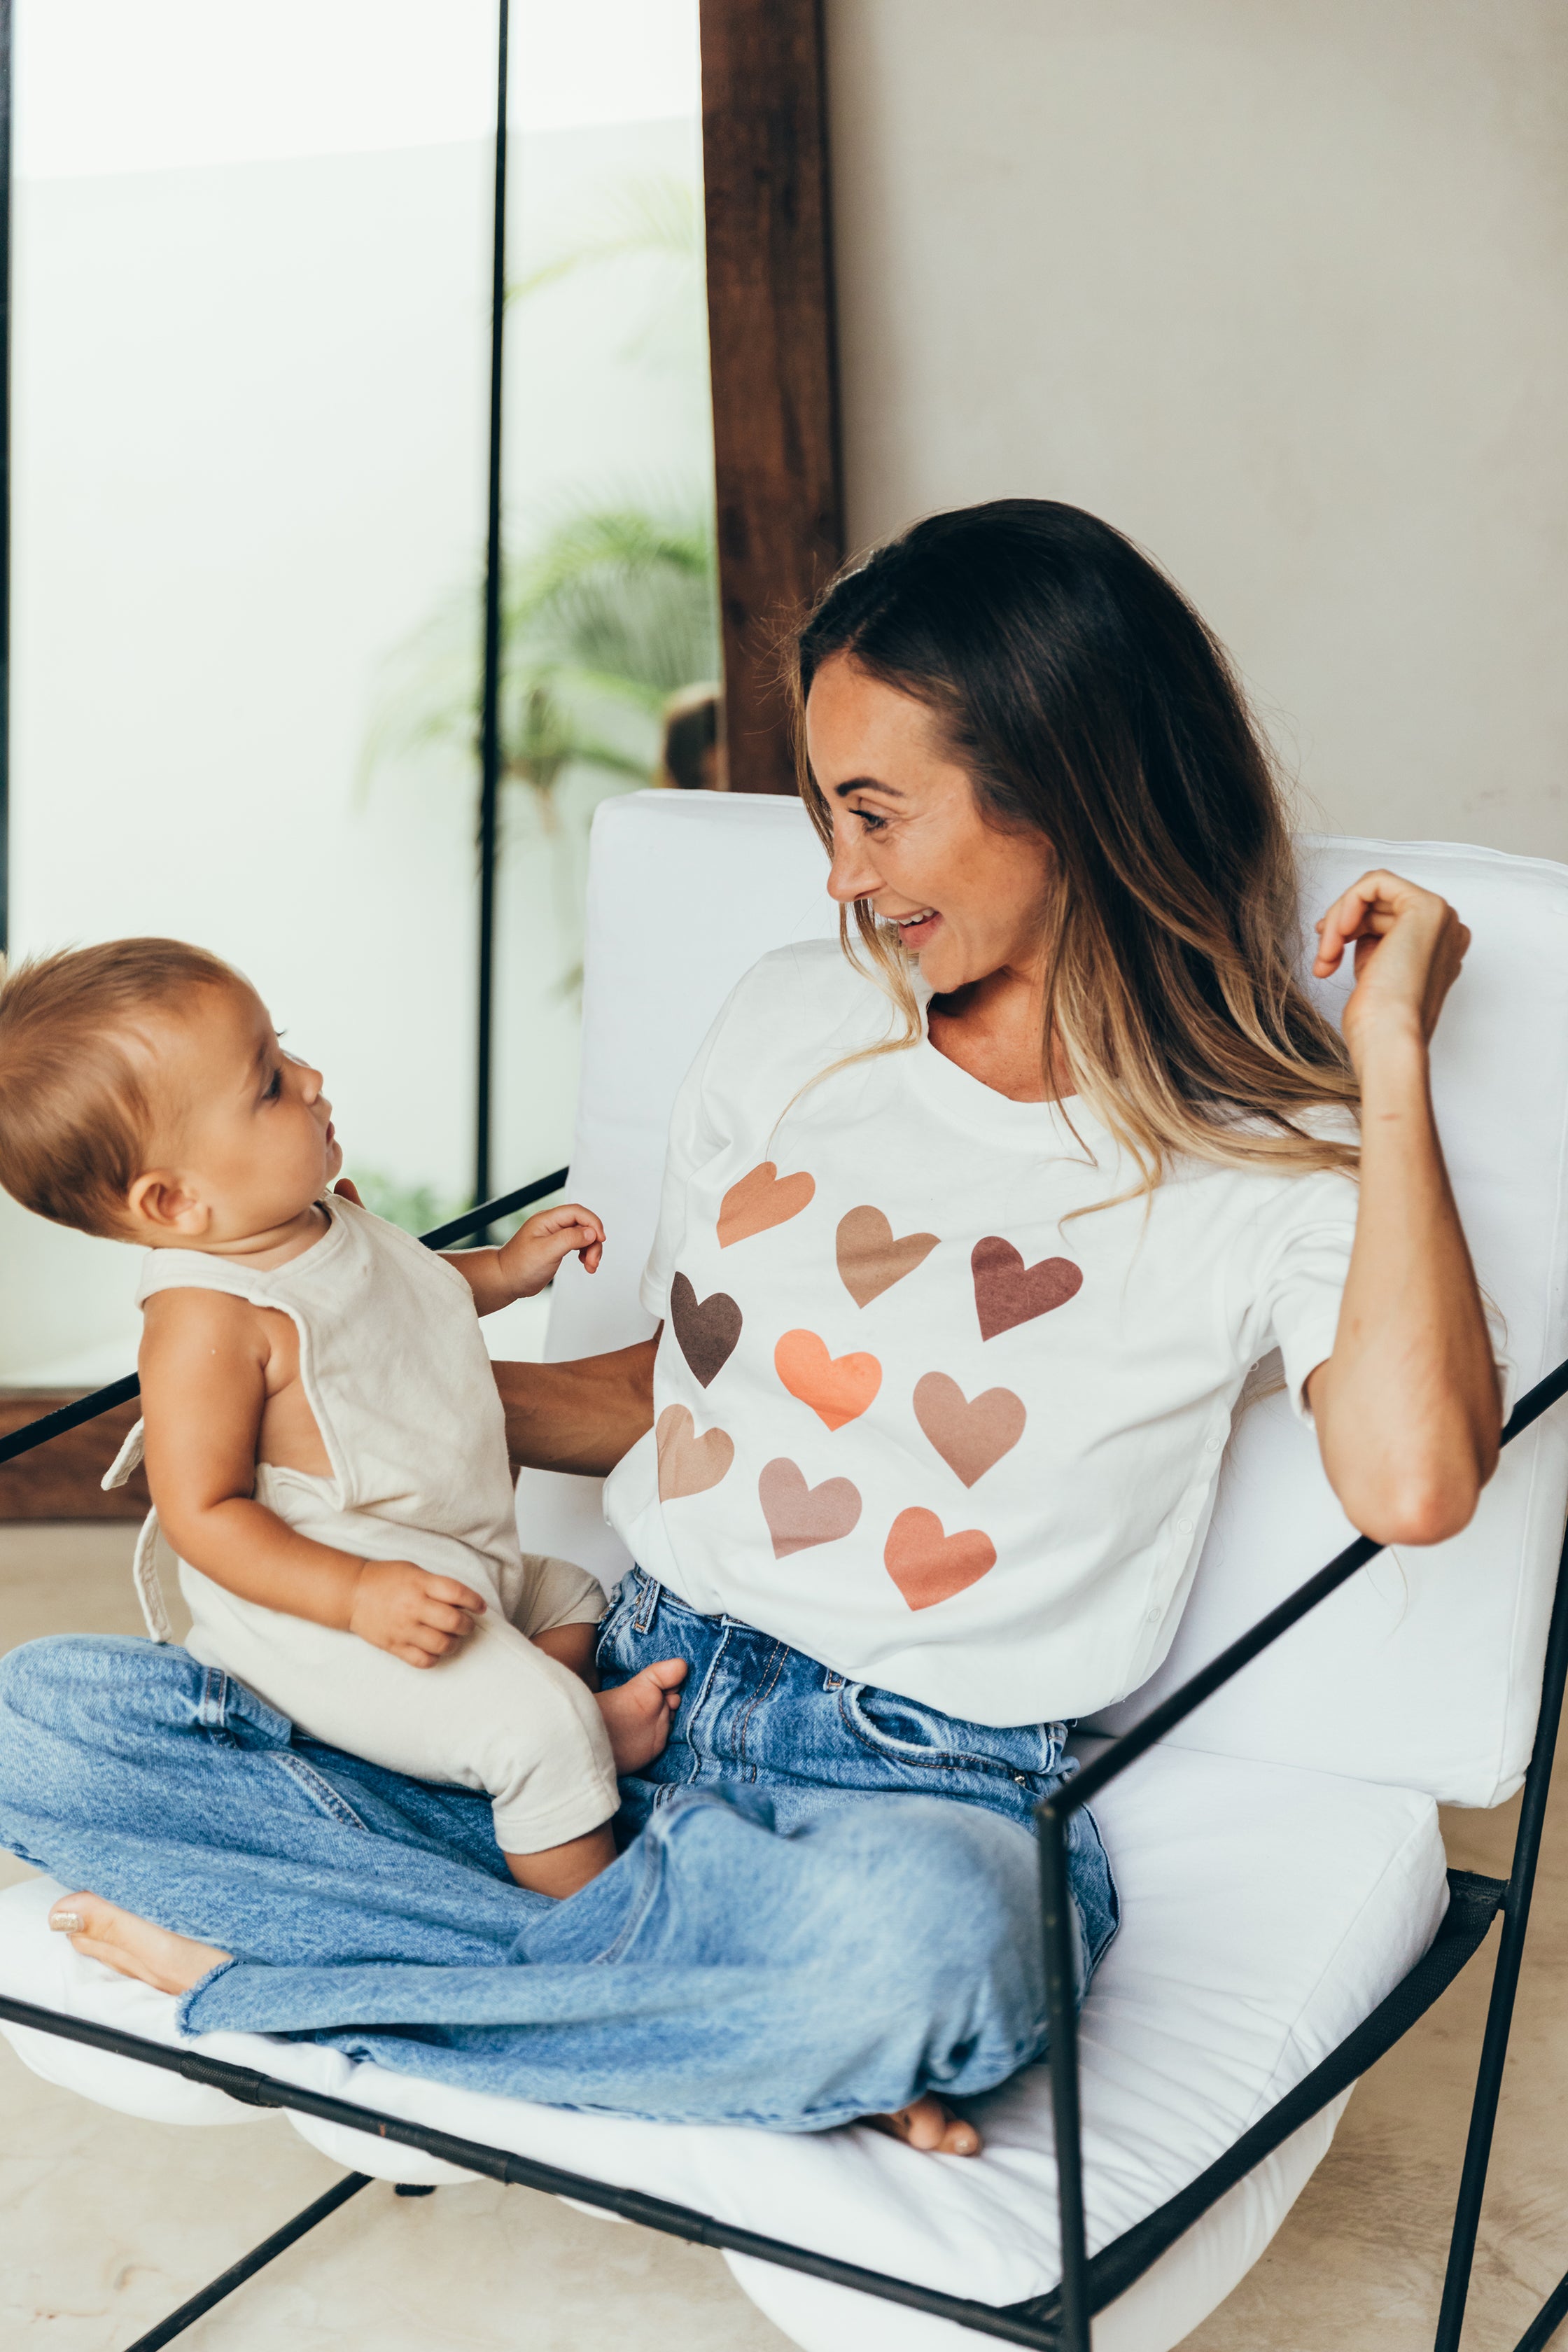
687 1464
1007 1292
761 1200
869 1260
970 1434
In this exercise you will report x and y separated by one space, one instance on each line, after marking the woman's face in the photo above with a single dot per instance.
910 838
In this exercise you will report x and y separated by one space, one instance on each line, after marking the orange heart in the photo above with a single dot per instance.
927 1566
837 1388
763 1198
690 1464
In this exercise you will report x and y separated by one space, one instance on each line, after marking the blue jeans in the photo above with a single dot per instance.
753 1956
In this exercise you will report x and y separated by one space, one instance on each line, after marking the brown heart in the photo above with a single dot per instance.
706 1328
970 1438
1007 1292
869 1260
763 1198
927 1566
688 1464
799 1516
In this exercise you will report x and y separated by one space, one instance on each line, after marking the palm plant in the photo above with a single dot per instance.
613 608
609 614
656 218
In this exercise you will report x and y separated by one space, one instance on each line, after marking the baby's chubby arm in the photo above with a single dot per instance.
207 1362
522 1267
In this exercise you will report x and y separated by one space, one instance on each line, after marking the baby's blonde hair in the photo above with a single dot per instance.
76 1123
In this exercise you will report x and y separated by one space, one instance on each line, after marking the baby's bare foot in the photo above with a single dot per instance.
167 1963
928 2126
637 1714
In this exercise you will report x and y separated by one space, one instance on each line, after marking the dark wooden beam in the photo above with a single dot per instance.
61 1480
770 321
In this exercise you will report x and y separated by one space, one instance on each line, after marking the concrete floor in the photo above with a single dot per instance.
106 2223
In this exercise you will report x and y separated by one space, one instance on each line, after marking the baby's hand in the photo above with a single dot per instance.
536 1249
407 1610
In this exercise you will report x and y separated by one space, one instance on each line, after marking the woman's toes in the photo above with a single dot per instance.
82 1915
134 1947
931 2128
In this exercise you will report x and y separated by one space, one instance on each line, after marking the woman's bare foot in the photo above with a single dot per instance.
928 2126
154 1956
637 1714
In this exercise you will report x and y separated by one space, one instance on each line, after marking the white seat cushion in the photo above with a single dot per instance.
1267 1909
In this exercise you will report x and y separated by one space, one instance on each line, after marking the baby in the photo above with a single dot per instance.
323 1438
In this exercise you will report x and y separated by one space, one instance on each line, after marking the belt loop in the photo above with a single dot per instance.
647 1602
214 1699
831 1681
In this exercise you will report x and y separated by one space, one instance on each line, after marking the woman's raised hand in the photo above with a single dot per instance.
1409 945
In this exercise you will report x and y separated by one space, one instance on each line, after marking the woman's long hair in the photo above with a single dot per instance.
1088 703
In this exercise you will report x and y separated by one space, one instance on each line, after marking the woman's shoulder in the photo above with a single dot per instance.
1261 1202
803 995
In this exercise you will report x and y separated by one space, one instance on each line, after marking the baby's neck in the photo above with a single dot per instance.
264 1251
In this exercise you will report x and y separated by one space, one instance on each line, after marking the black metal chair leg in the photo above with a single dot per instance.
249 2265
1505 1982
1547 2320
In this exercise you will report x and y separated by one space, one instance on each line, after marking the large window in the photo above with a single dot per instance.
250 367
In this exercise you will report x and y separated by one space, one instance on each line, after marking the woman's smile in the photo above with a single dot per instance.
917 930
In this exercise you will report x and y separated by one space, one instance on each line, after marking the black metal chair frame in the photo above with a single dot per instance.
1059 2321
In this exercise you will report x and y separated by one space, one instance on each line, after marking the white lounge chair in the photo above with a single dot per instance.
1287 1912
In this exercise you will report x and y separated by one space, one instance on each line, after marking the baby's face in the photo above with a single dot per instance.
245 1133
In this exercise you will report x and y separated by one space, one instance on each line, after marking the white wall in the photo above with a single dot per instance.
1279 288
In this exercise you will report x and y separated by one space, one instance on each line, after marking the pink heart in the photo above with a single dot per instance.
970 1435
799 1516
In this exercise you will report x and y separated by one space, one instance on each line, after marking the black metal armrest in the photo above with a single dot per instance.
88 1408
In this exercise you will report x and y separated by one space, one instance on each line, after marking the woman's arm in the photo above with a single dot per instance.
580 1416
1407 1408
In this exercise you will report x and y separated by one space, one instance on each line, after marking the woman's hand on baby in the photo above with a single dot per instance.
407 1610
531 1257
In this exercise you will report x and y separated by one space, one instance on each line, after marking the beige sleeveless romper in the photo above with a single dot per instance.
397 1374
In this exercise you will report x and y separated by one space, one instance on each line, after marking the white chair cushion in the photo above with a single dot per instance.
1424 1670
1267 1909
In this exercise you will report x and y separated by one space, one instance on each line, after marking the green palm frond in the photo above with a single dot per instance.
614 610
660 216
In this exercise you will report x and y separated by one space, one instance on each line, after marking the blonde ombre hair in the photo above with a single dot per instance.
1088 703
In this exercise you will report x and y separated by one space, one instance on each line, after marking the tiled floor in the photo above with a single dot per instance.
106 2222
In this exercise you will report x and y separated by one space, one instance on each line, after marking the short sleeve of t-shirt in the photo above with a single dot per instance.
1298 1275
691 1141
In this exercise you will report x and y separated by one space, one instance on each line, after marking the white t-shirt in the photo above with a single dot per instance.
908 1420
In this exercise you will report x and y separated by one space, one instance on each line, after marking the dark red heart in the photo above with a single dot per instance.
1007 1292
706 1328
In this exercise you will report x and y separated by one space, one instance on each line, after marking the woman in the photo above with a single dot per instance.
966 1247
